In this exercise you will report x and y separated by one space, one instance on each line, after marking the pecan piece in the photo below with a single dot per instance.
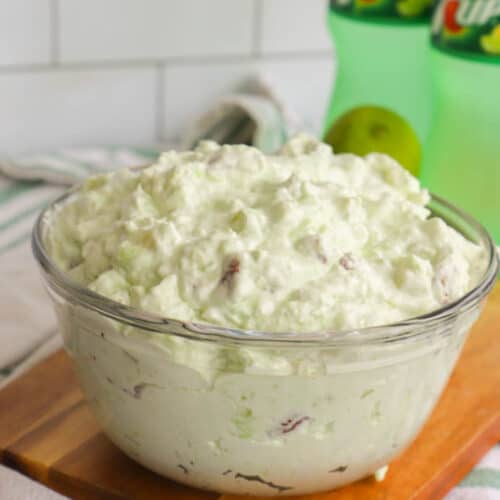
232 269
347 261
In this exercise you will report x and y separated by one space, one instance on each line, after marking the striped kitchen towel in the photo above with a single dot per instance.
483 482
69 166
28 325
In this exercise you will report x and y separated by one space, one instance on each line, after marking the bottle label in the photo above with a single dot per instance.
394 11
469 28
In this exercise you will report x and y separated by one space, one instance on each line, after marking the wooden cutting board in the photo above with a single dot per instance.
48 433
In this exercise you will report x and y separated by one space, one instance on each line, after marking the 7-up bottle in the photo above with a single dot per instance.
382 58
462 159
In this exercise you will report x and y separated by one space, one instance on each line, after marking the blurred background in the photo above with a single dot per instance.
99 72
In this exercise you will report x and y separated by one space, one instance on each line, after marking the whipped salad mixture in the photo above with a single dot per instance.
302 240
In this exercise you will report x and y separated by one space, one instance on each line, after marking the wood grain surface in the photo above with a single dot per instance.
48 433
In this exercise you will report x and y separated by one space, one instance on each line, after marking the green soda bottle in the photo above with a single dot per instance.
462 159
382 58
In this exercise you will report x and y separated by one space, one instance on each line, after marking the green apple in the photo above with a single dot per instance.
369 129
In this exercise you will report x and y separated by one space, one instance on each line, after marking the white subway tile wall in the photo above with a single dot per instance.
121 30
25 31
293 26
192 88
79 107
304 85
76 73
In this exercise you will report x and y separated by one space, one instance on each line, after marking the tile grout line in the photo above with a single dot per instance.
173 61
257 28
54 33
160 102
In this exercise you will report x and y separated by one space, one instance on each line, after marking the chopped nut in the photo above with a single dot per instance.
311 244
322 258
319 250
347 261
288 425
291 424
232 269
340 468
183 468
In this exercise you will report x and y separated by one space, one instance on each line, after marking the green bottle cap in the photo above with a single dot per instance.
385 11
468 28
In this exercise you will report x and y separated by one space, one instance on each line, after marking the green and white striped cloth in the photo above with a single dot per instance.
483 482
28 326
28 330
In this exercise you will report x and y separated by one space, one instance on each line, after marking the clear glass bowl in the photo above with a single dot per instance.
254 412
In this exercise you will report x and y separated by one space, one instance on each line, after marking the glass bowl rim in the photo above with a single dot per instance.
404 330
